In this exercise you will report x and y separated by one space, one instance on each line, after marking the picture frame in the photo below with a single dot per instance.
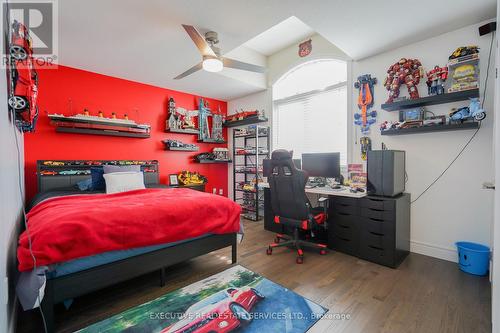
173 180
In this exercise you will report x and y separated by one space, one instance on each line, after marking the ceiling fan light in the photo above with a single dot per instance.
212 64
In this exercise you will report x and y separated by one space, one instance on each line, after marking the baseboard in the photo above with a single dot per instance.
435 251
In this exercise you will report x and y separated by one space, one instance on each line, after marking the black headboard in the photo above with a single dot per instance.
56 174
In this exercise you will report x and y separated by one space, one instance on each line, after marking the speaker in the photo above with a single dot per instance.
487 28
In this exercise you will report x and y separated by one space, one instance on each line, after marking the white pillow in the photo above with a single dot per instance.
123 181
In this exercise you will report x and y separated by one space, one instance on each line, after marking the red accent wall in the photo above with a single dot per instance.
143 103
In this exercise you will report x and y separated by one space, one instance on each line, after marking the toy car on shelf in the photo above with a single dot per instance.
244 115
179 144
23 78
53 163
191 178
473 111
74 172
48 173
464 51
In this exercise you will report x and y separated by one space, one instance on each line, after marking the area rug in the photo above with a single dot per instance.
235 300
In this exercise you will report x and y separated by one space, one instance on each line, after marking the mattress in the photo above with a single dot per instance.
84 263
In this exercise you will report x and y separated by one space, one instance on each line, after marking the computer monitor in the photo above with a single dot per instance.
266 166
322 164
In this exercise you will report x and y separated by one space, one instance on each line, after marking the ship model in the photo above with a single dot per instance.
99 123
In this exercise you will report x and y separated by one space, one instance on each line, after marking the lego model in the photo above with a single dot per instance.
221 154
435 80
464 51
405 71
217 120
179 145
191 178
366 145
180 118
473 111
204 113
23 92
241 115
365 101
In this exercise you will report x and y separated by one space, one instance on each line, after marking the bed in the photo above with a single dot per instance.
79 276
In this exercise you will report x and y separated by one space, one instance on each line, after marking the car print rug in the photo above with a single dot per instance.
235 300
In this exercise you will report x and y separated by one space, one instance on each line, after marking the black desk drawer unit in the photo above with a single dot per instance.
373 228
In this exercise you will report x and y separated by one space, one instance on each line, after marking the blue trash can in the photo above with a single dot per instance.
473 258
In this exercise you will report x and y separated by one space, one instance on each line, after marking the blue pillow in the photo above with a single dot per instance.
85 185
98 183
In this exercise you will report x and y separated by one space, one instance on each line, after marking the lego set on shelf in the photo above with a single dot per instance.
181 120
69 167
462 77
250 147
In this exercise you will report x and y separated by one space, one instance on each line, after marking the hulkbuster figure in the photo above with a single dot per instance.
405 71
435 80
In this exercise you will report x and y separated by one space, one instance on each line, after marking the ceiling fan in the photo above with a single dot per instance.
212 60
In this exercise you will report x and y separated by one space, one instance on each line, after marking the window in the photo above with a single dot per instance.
310 109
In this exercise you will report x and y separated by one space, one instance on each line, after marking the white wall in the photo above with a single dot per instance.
279 64
456 207
10 207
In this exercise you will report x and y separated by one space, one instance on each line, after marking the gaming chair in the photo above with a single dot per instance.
291 206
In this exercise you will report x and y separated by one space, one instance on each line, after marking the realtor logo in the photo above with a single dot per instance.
40 20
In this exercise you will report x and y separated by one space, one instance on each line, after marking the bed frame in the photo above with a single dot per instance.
83 282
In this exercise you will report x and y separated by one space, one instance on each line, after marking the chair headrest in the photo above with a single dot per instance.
281 155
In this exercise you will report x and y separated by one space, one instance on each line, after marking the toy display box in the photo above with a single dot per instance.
464 73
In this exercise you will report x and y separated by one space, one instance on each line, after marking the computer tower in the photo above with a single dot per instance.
386 172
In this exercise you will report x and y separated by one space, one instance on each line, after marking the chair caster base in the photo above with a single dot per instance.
277 239
269 251
322 252
299 260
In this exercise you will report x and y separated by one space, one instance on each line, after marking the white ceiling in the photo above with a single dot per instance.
287 32
143 40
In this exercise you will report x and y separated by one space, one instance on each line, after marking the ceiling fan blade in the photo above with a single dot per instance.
199 41
231 63
190 71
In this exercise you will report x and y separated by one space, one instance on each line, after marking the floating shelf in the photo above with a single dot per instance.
91 131
431 100
246 121
211 141
182 130
181 149
212 161
434 128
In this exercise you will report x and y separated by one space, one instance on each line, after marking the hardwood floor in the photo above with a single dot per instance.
423 295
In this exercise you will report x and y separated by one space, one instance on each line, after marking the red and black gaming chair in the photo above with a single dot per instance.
291 206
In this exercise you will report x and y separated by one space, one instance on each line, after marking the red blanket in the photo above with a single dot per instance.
70 227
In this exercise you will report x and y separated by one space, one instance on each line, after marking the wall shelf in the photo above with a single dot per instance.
181 149
245 121
434 128
182 130
212 141
91 131
431 100
212 161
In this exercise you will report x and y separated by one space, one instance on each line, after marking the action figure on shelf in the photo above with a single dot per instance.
365 101
366 145
435 80
405 71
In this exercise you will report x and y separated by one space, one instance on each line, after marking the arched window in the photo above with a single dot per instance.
310 109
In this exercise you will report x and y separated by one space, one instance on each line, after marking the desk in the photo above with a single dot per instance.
326 190
373 228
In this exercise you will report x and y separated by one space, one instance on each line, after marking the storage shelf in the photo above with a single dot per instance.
431 100
182 130
246 121
433 128
91 131
250 136
212 161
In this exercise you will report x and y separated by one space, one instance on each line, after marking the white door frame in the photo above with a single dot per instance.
495 285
